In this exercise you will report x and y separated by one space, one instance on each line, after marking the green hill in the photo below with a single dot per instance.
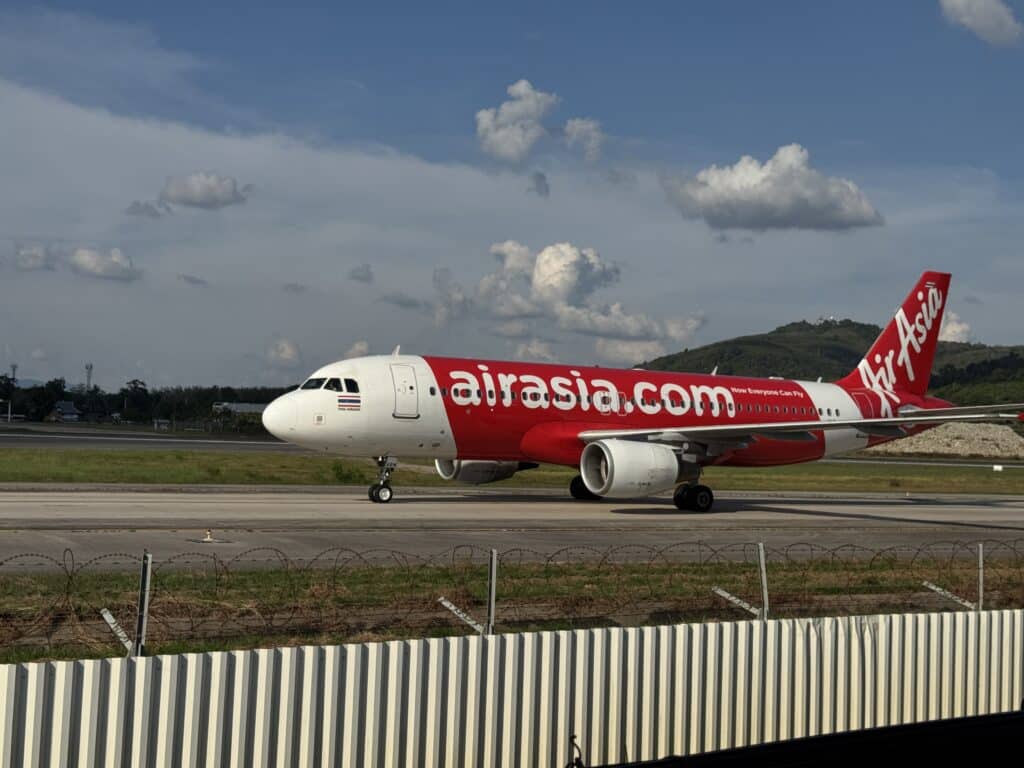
964 373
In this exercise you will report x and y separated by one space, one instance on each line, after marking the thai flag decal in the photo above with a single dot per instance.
349 402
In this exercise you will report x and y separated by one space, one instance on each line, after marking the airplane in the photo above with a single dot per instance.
630 432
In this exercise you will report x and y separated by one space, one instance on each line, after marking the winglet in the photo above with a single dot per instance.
398 349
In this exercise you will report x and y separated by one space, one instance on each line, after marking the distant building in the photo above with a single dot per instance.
238 408
64 411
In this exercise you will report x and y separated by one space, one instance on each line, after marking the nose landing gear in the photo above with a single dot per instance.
381 492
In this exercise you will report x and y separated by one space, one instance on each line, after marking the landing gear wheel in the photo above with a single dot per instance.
701 498
380 492
681 498
694 498
579 490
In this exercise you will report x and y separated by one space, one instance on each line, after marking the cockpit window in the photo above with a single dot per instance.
351 385
313 384
334 385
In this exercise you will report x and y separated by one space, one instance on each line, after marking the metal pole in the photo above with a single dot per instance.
764 580
492 590
140 623
981 576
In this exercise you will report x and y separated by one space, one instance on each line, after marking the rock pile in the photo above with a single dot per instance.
991 441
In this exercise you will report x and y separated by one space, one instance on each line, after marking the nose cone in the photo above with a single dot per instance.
279 417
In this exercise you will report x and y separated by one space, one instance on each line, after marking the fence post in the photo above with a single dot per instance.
981 576
492 590
764 580
140 624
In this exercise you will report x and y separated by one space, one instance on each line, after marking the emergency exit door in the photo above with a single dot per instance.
407 404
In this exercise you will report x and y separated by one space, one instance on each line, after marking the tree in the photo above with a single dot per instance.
138 403
6 387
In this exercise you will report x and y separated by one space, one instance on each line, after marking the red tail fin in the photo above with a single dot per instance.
901 358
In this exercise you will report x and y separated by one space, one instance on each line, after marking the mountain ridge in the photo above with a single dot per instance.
966 373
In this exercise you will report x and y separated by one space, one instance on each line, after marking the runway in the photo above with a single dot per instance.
426 522
47 436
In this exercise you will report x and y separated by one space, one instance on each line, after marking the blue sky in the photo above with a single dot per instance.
907 118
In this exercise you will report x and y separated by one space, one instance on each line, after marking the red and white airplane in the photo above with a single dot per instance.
631 432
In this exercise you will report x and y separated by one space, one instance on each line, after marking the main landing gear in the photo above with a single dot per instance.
694 498
579 490
380 492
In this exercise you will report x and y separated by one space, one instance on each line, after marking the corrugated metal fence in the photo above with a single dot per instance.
510 700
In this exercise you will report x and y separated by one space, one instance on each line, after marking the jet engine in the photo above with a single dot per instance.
479 472
622 469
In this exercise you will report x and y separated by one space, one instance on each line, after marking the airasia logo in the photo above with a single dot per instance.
566 393
881 376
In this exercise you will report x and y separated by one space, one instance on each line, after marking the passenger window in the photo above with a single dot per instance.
444 391
829 411
837 411
351 385
334 385
313 384
433 391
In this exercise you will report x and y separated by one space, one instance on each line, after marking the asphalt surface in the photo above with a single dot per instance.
303 523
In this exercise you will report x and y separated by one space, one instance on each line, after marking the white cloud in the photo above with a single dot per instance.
38 354
535 349
782 193
511 329
358 349
954 329
625 352
586 132
110 265
29 258
284 354
991 20
510 131
203 190
452 300
563 273
539 184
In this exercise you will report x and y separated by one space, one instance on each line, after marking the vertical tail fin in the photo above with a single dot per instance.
901 358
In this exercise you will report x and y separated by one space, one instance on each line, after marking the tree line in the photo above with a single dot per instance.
134 402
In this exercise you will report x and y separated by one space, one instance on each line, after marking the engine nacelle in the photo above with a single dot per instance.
622 469
478 472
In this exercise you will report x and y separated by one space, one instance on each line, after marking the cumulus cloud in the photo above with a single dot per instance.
585 132
151 209
539 184
358 349
782 193
284 354
991 20
954 329
204 190
556 286
191 279
361 273
29 258
535 349
510 131
295 288
111 265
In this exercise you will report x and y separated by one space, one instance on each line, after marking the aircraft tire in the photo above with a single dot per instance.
683 496
579 491
371 492
384 494
701 498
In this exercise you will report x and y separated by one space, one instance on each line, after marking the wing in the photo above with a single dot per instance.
895 426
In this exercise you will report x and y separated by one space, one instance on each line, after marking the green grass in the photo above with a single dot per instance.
49 616
36 465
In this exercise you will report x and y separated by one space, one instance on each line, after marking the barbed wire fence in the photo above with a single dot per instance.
51 607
